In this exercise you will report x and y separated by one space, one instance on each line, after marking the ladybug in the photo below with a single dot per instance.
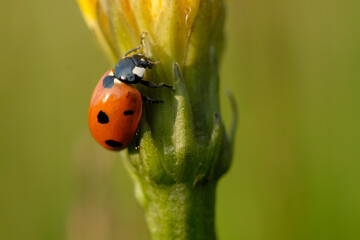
115 107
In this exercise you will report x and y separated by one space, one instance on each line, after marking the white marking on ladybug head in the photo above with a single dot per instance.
139 71
111 73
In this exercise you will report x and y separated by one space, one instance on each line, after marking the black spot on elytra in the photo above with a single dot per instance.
128 112
102 117
113 143
108 81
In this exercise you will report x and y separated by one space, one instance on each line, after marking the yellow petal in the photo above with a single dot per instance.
88 8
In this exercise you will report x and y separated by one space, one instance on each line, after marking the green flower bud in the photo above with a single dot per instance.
183 145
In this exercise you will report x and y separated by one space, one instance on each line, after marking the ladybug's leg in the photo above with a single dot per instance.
148 100
142 37
132 50
154 85
137 140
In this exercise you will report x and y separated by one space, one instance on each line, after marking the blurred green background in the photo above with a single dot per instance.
294 67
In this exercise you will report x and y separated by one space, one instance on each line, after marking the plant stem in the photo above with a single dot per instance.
181 211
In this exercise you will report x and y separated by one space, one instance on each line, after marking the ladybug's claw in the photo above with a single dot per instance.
153 63
143 35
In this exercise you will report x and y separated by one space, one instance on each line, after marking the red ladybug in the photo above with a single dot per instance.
115 107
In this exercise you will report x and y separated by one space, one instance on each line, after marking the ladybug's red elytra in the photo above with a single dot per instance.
115 107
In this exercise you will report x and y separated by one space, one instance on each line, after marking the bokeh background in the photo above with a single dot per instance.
294 67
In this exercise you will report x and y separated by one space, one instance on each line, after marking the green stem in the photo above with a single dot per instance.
181 211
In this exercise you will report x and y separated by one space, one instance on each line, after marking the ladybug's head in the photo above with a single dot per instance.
142 61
